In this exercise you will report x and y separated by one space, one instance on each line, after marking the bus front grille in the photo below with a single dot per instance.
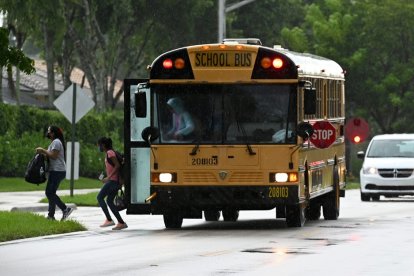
231 178
199 177
246 177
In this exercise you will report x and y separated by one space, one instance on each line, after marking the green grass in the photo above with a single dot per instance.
352 185
14 184
88 199
22 225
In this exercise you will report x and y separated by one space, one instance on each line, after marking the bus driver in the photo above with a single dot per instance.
182 123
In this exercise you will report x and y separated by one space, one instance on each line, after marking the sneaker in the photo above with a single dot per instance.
50 218
120 226
107 223
66 213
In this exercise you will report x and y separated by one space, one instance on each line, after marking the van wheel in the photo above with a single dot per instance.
172 221
295 215
331 204
212 215
375 197
365 197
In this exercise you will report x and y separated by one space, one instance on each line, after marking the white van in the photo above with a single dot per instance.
388 167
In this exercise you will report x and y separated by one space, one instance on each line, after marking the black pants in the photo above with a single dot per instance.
53 182
109 190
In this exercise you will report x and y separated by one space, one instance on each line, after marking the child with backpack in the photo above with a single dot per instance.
111 185
57 171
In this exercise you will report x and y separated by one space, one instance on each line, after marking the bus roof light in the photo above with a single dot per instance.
266 63
277 63
179 63
167 63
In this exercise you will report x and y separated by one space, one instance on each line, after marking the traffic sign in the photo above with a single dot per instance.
65 103
356 130
324 134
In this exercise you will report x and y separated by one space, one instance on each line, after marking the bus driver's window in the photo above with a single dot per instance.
182 122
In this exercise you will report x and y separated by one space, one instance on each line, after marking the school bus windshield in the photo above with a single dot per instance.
225 114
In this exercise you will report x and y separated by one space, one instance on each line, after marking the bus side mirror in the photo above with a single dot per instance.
304 130
150 134
140 105
310 101
361 154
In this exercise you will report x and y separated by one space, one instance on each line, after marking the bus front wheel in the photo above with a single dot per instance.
212 215
230 214
295 215
173 220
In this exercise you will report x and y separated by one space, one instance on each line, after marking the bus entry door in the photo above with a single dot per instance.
137 151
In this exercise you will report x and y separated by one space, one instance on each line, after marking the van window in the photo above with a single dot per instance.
391 148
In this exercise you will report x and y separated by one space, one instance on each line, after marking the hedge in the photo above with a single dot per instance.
23 128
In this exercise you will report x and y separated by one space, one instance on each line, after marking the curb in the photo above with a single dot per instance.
39 208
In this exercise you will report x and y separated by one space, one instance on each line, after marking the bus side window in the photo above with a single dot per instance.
310 101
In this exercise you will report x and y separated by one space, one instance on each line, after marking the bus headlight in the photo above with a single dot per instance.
281 177
164 177
284 177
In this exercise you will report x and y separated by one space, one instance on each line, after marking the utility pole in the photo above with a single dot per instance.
222 10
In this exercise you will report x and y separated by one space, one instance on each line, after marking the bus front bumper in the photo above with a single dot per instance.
219 197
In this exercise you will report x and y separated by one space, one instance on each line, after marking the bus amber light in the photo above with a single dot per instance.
277 63
293 177
179 63
266 63
167 64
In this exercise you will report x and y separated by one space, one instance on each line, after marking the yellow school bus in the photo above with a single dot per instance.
222 128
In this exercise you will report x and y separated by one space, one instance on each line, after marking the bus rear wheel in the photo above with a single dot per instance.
313 212
212 215
295 215
230 214
331 204
173 220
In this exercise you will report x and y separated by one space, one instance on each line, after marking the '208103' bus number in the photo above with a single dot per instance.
278 192
204 161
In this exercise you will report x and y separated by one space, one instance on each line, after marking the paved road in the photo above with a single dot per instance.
370 238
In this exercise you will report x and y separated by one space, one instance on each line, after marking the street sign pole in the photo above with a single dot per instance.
72 158
74 104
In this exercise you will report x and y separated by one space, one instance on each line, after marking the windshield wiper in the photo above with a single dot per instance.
243 131
196 147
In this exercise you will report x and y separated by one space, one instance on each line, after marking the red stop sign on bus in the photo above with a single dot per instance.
324 134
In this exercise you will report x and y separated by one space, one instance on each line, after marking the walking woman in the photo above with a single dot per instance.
56 153
111 185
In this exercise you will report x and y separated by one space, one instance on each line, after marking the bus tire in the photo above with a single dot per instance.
212 215
172 220
313 212
230 214
331 204
280 211
295 215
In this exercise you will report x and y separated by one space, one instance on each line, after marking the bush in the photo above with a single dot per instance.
24 129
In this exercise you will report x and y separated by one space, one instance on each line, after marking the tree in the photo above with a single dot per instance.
12 56
384 64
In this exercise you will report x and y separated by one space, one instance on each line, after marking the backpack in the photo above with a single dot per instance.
121 159
36 170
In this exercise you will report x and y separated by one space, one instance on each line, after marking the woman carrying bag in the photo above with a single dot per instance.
111 185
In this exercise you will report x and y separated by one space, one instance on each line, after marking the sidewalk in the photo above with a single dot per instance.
90 217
